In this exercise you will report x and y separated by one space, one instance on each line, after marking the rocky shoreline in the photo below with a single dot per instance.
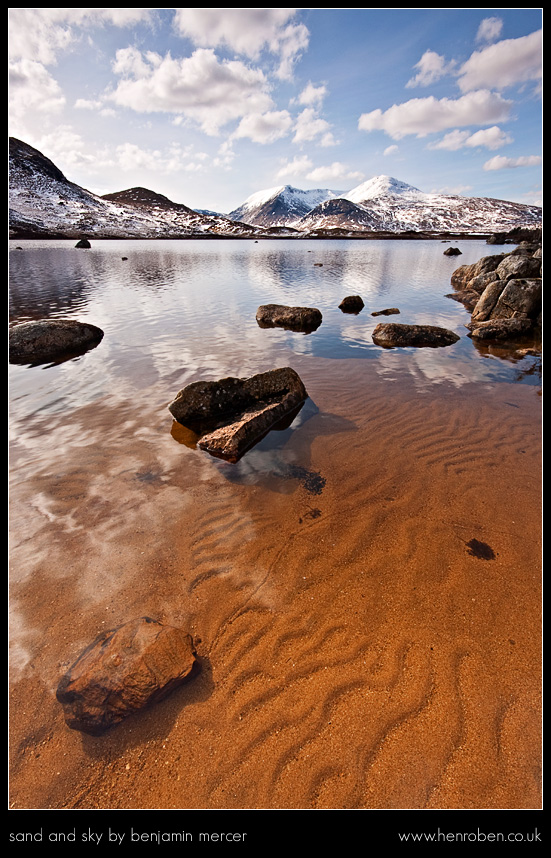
503 293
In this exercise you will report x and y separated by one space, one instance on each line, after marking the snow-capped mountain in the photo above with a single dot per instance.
281 206
43 202
386 204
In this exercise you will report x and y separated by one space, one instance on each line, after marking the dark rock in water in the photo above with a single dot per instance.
351 304
391 311
231 415
124 670
303 319
83 243
48 339
392 334
452 251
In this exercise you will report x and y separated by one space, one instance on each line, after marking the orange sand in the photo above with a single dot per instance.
356 651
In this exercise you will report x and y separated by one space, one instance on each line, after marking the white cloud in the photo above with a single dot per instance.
309 126
336 170
422 116
312 95
65 147
490 138
41 34
247 32
264 127
431 67
32 89
500 162
88 104
391 150
504 64
297 167
201 87
489 29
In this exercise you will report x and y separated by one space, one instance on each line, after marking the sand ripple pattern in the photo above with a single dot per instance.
359 648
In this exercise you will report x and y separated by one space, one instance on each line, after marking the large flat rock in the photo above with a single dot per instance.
48 339
392 334
305 319
231 415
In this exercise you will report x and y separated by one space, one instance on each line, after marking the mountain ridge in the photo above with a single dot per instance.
44 203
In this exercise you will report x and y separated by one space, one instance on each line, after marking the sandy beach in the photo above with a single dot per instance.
368 621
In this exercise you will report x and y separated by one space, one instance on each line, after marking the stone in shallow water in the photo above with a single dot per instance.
233 414
124 670
351 304
393 334
390 311
48 339
302 319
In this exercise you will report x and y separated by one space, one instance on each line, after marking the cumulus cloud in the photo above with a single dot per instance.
490 138
297 167
201 87
312 95
431 67
391 150
489 29
500 162
334 171
41 34
309 125
33 89
423 116
36 37
264 127
504 64
247 32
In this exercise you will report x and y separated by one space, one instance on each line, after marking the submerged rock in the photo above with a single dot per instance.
390 311
124 670
303 319
391 334
452 251
233 414
351 304
47 339
83 243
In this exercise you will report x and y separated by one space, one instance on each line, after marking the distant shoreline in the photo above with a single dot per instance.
371 236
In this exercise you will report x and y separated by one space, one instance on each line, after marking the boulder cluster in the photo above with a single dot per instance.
503 293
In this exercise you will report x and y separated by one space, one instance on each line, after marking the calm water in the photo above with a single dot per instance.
186 310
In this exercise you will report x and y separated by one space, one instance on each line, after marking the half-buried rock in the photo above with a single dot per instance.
392 334
124 670
231 415
305 319
48 339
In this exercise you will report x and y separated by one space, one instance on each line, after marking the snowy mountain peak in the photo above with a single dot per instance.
44 203
380 186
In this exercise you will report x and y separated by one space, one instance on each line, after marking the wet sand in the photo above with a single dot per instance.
365 601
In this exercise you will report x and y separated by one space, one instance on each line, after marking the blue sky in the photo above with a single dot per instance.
208 106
